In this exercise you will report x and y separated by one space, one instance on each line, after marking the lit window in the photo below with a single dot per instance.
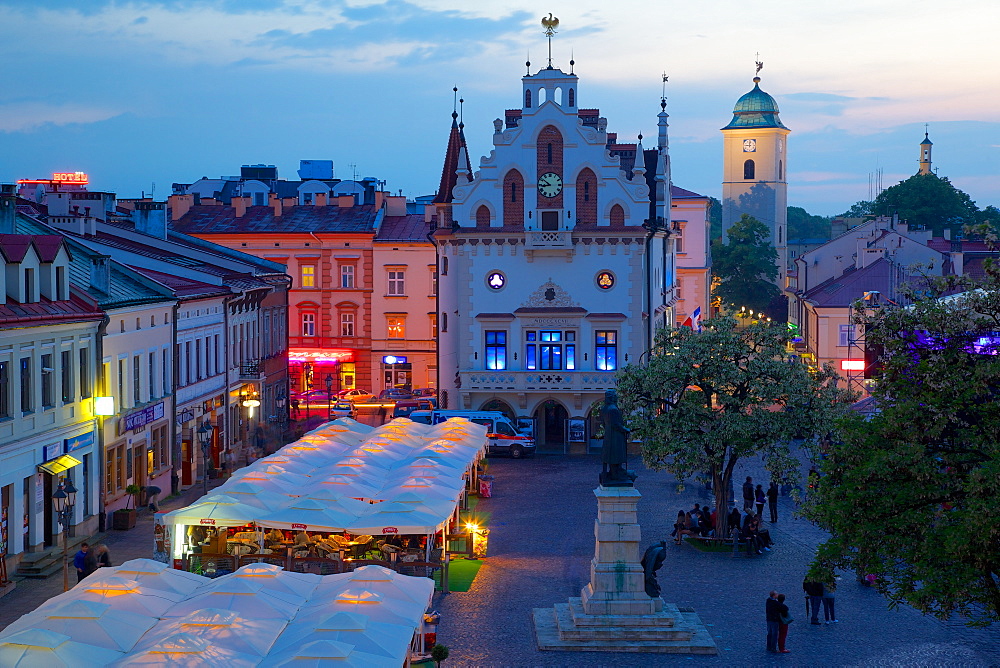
347 324
496 350
396 326
308 324
434 324
396 283
308 276
606 350
846 335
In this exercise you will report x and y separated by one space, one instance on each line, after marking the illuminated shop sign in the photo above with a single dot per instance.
332 355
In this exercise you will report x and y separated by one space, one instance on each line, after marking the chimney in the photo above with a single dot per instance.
345 201
275 204
288 202
395 205
957 262
379 199
151 219
240 204
8 209
100 273
320 199
947 234
179 206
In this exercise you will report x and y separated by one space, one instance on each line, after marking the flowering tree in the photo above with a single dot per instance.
706 400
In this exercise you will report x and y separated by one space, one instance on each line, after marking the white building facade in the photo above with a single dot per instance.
556 262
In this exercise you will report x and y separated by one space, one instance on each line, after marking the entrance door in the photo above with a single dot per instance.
50 519
187 479
139 466
551 420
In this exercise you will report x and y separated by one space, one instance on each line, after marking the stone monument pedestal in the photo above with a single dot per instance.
613 612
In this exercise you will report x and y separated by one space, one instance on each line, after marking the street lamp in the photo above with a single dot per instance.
64 500
329 394
205 439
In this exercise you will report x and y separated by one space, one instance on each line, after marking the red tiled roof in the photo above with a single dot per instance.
410 227
15 246
208 219
183 287
48 246
78 308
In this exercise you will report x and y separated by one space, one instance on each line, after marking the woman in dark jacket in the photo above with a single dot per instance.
782 626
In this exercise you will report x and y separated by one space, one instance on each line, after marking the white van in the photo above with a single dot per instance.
504 439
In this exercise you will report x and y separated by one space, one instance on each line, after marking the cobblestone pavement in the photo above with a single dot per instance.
542 540
123 545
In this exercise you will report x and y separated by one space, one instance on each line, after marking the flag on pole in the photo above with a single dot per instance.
696 319
688 322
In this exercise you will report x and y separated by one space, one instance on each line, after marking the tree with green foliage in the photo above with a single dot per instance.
860 210
747 266
706 400
927 201
715 230
912 495
804 225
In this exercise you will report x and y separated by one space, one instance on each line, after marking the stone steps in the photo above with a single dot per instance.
547 636
49 561
569 630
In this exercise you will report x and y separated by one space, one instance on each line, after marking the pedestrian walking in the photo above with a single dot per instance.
773 621
103 556
80 562
772 501
748 495
829 613
90 561
759 499
814 596
784 619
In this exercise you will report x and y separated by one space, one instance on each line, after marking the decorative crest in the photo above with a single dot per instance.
550 23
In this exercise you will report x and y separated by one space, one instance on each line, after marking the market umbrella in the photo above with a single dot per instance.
330 495
39 648
374 605
403 518
185 650
122 594
417 488
366 635
279 465
351 487
309 515
252 494
223 628
217 510
154 575
324 653
425 477
384 581
89 622
275 578
238 596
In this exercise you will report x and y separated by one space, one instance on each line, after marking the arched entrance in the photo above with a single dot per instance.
550 421
502 406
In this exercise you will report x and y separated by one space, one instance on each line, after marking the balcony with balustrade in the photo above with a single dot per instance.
537 381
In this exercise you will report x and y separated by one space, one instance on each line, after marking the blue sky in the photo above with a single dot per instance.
143 92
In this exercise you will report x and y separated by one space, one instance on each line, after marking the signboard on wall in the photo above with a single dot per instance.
39 492
136 420
79 442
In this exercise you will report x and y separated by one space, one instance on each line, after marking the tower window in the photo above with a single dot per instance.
572 97
781 170
586 191
548 149
513 191
748 169
527 99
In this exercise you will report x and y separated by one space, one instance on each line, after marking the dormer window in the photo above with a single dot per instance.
29 285
62 289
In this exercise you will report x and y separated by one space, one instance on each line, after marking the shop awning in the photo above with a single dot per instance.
59 464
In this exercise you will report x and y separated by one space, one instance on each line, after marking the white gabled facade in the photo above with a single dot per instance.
555 268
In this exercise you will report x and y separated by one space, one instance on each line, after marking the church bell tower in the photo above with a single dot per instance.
755 165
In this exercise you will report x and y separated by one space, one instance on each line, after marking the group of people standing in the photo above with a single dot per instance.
88 560
779 617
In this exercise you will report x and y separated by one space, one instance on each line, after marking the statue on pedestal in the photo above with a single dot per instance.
614 452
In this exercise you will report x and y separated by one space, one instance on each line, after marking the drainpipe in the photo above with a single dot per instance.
437 311
651 226
102 330
175 446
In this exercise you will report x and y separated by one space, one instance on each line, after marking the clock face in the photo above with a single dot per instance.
549 184
749 145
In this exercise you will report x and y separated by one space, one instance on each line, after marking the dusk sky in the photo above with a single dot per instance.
136 93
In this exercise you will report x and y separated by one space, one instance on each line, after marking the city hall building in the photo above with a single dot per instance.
556 261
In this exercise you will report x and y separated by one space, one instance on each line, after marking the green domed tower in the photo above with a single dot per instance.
755 169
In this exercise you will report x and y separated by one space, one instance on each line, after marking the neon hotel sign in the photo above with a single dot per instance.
74 178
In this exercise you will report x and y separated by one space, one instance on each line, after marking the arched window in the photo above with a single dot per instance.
748 169
781 171
548 148
558 96
483 217
572 97
586 197
513 208
527 99
541 96
617 216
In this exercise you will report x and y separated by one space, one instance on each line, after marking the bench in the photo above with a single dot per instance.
717 542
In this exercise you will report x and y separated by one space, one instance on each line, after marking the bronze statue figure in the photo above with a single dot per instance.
613 454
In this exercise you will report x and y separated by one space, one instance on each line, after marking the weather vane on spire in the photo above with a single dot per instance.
550 23
759 63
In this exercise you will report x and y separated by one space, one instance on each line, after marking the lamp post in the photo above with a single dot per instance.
329 394
205 439
64 500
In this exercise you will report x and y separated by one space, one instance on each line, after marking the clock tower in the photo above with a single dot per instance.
755 167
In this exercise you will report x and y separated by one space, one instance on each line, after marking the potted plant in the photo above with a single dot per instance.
439 653
124 518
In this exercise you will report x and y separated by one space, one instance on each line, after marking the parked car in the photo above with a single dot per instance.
404 407
503 438
342 408
425 392
356 395
394 394
315 399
